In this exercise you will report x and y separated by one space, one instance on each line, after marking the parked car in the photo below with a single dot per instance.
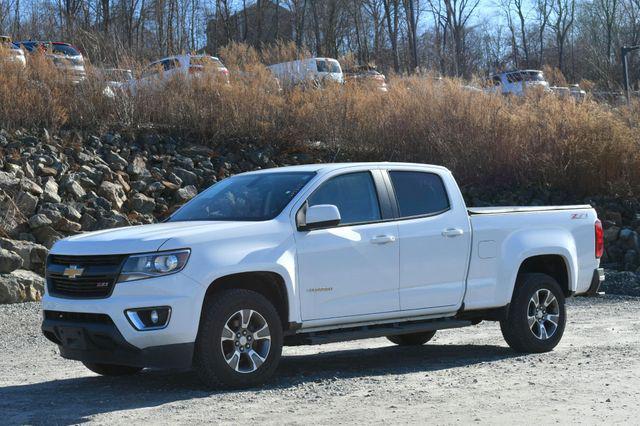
63 55
10 52
315 254
517 82
577 92
158 72
366 75
116 80
312 71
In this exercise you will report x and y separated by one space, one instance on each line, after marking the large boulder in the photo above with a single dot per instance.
113 192
142 204
21 286
11 218
34 256
9 261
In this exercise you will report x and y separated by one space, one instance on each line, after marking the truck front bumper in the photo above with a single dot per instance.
99 330
94 338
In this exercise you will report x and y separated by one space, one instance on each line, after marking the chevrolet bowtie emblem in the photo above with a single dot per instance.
73 271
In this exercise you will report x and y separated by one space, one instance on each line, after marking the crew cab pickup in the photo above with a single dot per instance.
315 254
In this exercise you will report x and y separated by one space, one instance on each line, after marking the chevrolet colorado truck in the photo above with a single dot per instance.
313 254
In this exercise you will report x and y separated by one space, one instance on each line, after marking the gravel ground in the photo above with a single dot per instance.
462 376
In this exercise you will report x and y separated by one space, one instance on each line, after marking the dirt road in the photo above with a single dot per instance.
462 376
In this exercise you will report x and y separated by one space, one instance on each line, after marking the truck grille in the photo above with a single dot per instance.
83 277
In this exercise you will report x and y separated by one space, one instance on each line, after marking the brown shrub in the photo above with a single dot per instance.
538 141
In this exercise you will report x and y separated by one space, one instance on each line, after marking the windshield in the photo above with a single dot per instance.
328 65
525 76
206 60
253 197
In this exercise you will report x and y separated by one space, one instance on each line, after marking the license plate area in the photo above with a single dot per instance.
72 337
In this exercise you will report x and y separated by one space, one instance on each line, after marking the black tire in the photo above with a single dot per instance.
515 328
209 361
111 369
413 339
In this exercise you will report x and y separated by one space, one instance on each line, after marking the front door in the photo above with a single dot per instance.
351 269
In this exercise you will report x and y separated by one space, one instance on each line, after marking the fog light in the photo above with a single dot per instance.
144 319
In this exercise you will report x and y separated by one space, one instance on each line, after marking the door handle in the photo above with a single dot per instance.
383 239
452 232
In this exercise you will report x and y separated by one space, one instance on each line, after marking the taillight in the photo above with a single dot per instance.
599 239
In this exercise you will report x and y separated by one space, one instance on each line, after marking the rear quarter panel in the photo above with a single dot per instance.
502 242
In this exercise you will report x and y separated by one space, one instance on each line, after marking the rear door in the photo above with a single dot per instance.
435 239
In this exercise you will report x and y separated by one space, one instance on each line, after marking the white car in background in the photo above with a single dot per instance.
517 82
64 56
158 72
312 70
10 52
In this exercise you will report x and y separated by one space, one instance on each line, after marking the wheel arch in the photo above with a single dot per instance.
554 265
269 284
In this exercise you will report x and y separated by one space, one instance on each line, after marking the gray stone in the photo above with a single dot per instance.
12 218
74 189
9 182
629 239
113 192
611 234
9 261
21 286
186 193
26 202
142 204
188 178
67 226
38 220
33 255
46 236
50 194
138 167
115 160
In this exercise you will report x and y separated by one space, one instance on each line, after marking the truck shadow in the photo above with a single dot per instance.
76 400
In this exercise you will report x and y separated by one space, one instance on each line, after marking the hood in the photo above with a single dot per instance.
139 239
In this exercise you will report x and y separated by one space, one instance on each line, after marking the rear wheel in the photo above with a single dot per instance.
240 340
111 369
413 339
537 314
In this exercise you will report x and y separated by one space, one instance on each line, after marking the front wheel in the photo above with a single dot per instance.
240 340
537 314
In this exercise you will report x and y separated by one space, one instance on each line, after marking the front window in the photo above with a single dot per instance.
251 197
328 65
353 193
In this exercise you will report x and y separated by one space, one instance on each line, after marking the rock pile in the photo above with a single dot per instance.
55 186
52 186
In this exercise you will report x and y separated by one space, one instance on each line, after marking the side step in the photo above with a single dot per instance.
372 331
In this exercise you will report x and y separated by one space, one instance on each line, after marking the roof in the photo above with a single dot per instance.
328 167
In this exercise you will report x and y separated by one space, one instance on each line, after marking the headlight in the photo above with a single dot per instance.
149 265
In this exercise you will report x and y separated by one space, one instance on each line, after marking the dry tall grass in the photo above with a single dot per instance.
540 141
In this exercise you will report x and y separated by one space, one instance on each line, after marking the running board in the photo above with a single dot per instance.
372 331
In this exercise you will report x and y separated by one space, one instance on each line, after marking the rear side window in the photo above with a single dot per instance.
419 193
354 194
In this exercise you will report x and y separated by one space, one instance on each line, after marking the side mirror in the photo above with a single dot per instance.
321 216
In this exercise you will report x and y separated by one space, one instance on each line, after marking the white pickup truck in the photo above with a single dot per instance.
314 254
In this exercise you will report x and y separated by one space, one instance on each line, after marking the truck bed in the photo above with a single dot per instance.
523 209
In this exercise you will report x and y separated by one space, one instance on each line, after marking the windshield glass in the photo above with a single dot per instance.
328 65
253 197
205 61
525 76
